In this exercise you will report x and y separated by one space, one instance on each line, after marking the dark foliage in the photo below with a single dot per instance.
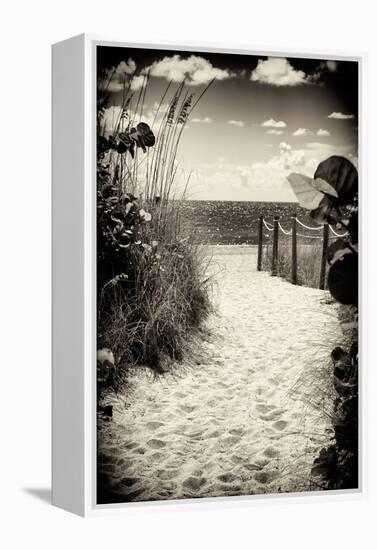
337 465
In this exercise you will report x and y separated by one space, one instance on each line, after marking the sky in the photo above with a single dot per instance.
261 119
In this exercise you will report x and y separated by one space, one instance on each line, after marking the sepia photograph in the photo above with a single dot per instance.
227 274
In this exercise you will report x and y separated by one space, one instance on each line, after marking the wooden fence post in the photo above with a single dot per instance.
260 243
294 251
322 278
275 247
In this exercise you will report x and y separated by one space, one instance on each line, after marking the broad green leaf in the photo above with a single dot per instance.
307 195
326 188
341 174
343 279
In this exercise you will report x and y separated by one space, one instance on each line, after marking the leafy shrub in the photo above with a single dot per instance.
152 293
331 196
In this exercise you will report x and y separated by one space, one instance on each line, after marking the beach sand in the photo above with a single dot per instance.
240 422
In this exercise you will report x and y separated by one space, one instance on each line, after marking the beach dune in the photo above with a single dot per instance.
238 423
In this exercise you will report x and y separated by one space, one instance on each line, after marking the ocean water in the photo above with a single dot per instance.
228 222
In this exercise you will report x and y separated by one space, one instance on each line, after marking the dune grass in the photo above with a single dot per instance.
152 295
308 262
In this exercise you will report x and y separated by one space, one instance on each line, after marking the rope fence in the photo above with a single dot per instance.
277 227
267 226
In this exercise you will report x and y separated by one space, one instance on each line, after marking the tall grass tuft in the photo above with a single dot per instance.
152 290
308 262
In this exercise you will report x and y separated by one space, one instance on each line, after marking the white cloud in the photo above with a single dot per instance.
271 123
111 116
318 145
262 180
137 83
194 70
332 66
321 151
205 120
324 67
239 123
340 116
117 78
126 67
277 71
302 132
322 132
275 132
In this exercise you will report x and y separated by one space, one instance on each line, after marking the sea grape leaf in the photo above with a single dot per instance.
339 354
336 251
342 175
336 183
324 187
146 134
326 212
343 279
124 143
306 193
142 136
122 147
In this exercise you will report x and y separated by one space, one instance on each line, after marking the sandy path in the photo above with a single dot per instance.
235 424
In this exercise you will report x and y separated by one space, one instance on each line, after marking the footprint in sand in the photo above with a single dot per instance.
265 477
187 408
195 435
156 443
264 408
231 440
237 431
253 467
271 452
139 451
227 478
280 425
156 456
236 459
180 395
194 483
128 481
129 446
153 425
272 415
168 474
214 434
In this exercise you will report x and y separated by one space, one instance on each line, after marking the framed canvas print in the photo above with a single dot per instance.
206 259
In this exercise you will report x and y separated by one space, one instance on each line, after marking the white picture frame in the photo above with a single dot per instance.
74 271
